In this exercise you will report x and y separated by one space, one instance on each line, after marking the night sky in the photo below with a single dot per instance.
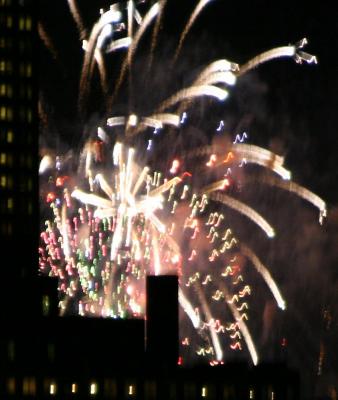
284 106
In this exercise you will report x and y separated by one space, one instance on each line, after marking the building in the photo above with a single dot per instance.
18 138
44 356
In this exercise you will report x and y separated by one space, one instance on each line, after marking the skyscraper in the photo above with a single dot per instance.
18 139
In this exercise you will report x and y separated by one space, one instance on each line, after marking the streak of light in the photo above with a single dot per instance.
245 210
264 272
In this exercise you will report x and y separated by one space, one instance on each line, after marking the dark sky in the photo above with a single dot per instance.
294 109
302 98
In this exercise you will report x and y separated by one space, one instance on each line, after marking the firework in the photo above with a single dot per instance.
114 219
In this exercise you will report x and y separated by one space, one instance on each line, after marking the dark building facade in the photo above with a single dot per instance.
44 356
18 138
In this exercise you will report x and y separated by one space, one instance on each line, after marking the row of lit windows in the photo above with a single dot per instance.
28 387
6 90
6 159
24 22
4 3
6 182
25 91
25 68
25 114
6 136
23 137
6 204
23 43
6 67
6 113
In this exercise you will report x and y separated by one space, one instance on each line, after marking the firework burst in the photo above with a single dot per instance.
129 210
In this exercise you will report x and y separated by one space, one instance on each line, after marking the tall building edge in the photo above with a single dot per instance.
162 320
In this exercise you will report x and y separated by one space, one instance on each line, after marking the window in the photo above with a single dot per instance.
11 385
6 228
25 69
3 181
5 42
29 386
3 158
6 181
6 113
3 112
9 21
131 390
45 302
6 90
52 388
10 203
6 159
93 388
110 388
51 352
10 136
28 23
11 350
5 66
25 23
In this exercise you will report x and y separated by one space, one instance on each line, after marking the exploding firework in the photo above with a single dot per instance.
125 212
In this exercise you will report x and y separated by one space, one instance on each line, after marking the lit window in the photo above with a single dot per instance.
28 23
29 70
11 385
6 113
3 158
10 203
6 90
29 386
93 388
204 392
9 136
21 23
52 388
29 115
131 390
9 21
3 181
45 299
74 388
251 394
3 113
